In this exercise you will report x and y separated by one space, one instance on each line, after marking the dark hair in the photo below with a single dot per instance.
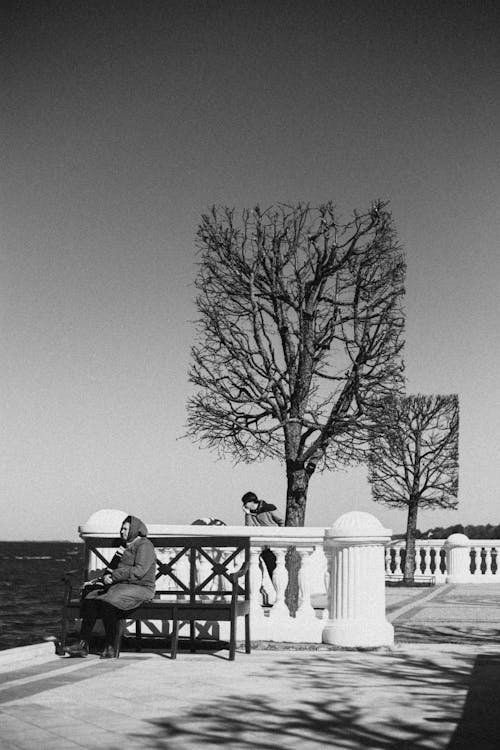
249 497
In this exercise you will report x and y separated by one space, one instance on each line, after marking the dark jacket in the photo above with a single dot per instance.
134 575
263 515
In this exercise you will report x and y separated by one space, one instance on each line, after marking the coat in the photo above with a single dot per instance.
263 516
134 575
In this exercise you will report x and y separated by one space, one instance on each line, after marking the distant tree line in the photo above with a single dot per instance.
488 531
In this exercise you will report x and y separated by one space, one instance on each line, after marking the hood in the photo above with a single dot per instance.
137 528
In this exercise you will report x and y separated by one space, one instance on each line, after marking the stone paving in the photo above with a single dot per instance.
416 695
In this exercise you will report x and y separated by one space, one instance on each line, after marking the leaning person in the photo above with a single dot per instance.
128 582
260 513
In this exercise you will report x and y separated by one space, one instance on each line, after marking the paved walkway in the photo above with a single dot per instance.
410 697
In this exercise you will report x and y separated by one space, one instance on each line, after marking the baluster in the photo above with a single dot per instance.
400 562
487 560
255 584
305 610
280 581
473 560
268 590
426 561
388 560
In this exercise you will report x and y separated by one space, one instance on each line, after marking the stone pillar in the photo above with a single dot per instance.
457 548
355 549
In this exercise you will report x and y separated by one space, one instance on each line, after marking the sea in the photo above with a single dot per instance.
32 589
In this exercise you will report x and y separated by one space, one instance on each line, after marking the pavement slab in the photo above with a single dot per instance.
403 697
438 687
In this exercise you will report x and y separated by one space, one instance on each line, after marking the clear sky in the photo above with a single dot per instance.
121 123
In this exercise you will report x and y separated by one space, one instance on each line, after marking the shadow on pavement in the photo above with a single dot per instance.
400 701
479 726
426 632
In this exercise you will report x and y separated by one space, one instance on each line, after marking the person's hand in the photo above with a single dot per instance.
108 579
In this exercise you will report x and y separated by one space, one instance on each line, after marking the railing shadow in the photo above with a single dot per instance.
396 701
479 726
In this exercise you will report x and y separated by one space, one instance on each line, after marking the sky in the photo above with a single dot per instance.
122 122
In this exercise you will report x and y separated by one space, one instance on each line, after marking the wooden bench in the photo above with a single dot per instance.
207 589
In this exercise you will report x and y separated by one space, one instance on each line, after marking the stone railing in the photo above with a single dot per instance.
271 618
433 558
354 543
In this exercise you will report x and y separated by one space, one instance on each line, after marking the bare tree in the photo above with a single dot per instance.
414 462
299 334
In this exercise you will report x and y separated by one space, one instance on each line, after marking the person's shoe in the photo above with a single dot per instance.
108 653
60 650
78 649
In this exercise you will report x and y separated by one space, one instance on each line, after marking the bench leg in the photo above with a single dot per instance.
232 639
175 636
138 635
248 644
64 630
192 633
120 629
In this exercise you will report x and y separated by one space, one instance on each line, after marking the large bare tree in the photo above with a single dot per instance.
413 463
298 336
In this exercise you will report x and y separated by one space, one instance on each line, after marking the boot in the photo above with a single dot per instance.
78 649
108 653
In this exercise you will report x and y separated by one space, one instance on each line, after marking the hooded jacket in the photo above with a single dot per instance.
134 575
263 515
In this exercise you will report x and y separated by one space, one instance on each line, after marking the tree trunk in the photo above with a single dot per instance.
296 497
411 528
296 493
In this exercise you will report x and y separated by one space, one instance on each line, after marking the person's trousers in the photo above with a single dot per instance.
95 609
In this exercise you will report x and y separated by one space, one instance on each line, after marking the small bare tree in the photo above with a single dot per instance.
298 336
413 463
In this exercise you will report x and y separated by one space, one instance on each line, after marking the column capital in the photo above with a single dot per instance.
356 527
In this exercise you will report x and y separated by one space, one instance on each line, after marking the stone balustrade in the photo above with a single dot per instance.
435 557
271 619
340 577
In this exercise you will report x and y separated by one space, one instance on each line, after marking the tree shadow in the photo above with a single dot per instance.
479 726
461 634
384 700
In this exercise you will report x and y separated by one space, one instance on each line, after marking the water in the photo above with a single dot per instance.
31 589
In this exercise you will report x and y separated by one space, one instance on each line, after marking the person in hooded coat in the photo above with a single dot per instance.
126 584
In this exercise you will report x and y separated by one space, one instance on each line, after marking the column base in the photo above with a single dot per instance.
358 634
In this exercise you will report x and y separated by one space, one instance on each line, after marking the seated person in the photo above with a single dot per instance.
126 584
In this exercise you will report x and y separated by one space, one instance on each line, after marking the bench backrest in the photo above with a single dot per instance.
194 568
197 568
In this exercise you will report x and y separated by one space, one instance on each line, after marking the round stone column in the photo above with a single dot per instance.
355 550
457 548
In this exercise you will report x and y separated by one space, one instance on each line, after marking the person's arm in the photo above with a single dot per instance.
277 519
144 559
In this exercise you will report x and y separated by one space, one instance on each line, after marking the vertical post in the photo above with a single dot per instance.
305 610
280 581
457 548
255 584
355 547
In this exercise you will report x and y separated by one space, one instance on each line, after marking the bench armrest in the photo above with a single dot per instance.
72 579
